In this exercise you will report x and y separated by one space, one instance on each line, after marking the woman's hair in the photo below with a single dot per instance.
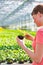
38 8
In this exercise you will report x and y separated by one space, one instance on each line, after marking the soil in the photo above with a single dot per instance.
21 37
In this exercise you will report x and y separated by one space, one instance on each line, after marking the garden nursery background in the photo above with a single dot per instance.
16 19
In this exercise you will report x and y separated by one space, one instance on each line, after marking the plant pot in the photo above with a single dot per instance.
3 61
9 61
21 37
0 62
30 60
25 60
14 60
21 62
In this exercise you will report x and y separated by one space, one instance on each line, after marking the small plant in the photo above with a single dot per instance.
21 61
20 57
2 56
30 60
2 60
9 61
26 58
14 60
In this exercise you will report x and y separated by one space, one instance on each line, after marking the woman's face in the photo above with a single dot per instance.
37 19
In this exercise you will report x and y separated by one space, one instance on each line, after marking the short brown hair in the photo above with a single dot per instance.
38 8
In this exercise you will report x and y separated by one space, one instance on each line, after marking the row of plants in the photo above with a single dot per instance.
8 39
11 56
10 51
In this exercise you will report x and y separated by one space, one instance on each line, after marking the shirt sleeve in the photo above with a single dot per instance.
39 37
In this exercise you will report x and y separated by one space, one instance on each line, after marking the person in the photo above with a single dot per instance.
37 41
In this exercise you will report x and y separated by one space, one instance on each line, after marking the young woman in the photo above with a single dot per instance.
37 44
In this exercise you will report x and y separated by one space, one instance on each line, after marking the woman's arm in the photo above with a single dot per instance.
29 37
37 56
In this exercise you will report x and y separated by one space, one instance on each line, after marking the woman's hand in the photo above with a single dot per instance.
29 37
20 42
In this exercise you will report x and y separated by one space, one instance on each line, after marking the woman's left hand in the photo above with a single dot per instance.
20 42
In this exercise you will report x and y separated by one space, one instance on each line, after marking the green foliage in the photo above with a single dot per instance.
9 47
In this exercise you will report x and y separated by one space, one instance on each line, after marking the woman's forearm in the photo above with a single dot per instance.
30 53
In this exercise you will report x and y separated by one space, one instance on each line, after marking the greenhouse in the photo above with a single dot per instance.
17 12
15 20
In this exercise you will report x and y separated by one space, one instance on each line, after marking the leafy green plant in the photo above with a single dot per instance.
30 60
9 47
9 61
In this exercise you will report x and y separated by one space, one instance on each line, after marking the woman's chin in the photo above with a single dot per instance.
38 25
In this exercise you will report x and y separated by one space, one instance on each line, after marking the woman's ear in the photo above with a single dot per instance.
39 14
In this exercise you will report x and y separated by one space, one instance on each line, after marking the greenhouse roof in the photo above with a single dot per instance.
14 11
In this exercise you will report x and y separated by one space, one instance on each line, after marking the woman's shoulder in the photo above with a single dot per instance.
40 29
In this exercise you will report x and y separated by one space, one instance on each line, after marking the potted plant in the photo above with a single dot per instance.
2 57
9 61
26 58
21 37
30 60
21 58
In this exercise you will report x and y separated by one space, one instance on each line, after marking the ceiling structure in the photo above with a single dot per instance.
14 11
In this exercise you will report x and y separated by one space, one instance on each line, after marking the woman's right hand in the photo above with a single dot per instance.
29 37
